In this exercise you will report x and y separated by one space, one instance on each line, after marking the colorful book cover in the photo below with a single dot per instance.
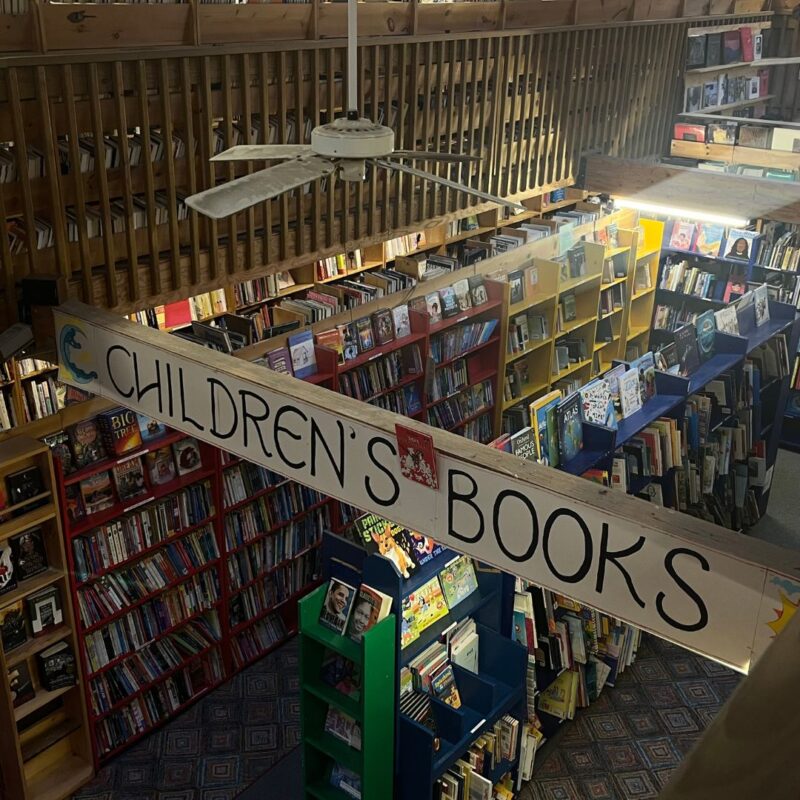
120 430
369 608
523 444
688 357
596 404
161 466
97 492
187 455
364 335
630 392
304 359
542 418
570 427
734 288
402 323
444 686
337 605
417 456
449 301
613 378
383 326
349 337
709 239
706 328
421 609
379 535
645 367
150 429
341 673
458 580
425 549
332 339
739 245
129 479
280 360
761 302
682 235
86 442
434 306
343 727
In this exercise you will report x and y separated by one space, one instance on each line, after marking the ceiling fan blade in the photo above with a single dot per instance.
423 155
241 193
263 152
418 173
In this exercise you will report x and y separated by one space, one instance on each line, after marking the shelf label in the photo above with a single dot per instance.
478 725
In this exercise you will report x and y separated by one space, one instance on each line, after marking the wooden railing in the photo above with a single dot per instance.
529 103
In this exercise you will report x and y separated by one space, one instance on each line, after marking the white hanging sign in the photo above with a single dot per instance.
489 505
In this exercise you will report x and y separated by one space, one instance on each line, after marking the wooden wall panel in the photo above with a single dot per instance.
530 103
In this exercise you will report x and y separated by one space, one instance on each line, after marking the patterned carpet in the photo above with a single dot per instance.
626 745
219 746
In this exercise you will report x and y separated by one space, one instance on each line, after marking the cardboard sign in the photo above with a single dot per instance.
680 588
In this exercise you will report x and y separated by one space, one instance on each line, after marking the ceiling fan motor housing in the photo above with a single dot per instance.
352 138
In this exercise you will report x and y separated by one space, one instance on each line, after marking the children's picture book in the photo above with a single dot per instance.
443 685
739 244
709 239
434 306
449 302
417 456
337 605
383 326
304 359
150 429
570 427
87 444
97 492
645 367
688 357
13 629
761 302
706 328
160 466
629 392
29 554
421 609
369 608
349 338
461 288
734 288
402 323
378 535
425 549
727 320
596 404
187 455
343 727
542 418
477 290
612 378
682 235
129 478
120 431
458 580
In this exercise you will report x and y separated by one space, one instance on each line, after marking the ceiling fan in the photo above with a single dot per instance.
345 147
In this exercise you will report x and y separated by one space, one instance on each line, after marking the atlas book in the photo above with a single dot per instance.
187 455
570 427
97 492
87 444
161 466
458 580
29 554
129 479
304 358
369 608
337 606
120 431
706 328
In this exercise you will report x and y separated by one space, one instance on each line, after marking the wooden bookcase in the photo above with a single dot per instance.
45 751
373 707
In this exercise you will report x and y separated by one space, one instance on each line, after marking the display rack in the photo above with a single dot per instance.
45 751
373 707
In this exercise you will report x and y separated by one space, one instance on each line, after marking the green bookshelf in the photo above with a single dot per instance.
373 707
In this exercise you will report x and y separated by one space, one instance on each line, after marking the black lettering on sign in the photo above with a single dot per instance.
316 436
583 570
520 529
454 497
613 557
113 349
375 459
669 564
217 384
281 428
249 416
170 397
184 416
155 385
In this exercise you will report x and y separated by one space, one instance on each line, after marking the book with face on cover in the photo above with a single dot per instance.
402 324
369 608
337 605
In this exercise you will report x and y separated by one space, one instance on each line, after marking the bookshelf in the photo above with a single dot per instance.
45 752
180 587
372 706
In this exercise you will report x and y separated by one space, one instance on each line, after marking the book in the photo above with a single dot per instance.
669 358
20 684
708 240
523 444
612 377
402 323
23 485
688 356
682 235
150 429
570 427
417 456
187 455
379 535
629 392
44 609
734 288
304 358
696 52
761 302
477 290
97 493
280 360
727 320
160 466
343 727
739 244
596 404
349 337
59 447
340 673
337 605
645 367
129 478
706 328
86 442
443 685
461 289
731 47
383 326
517 284
364 335
458 580
29 553
420 609
57 667
369 608
74 502
425 549
13 629
434 307
449 302
542 420
120 431
347 781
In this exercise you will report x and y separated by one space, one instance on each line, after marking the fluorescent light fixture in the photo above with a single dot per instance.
671 211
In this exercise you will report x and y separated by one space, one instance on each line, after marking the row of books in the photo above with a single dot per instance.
469 401
57 670
727 88
183 312
735 46
449 380
8 414
41 397
526 328
155 523
251 522
477 430
244 479
256 639
151 619
382 374
338 265
153 661
689 280
458 340
711 240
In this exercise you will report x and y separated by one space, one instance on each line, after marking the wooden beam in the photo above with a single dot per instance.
694 189
733 154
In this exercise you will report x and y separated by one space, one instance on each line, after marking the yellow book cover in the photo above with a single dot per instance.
420 609
555 699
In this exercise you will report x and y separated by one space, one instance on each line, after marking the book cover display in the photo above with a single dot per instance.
44 609
23 485
421 609
13 629
458 580
120 431
369 608
379 535
87 444
570 427
543 421
97 493
417 456
706 328
337 605
29 553
688 357
187 455
150 429
57 667
129 478
160 466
